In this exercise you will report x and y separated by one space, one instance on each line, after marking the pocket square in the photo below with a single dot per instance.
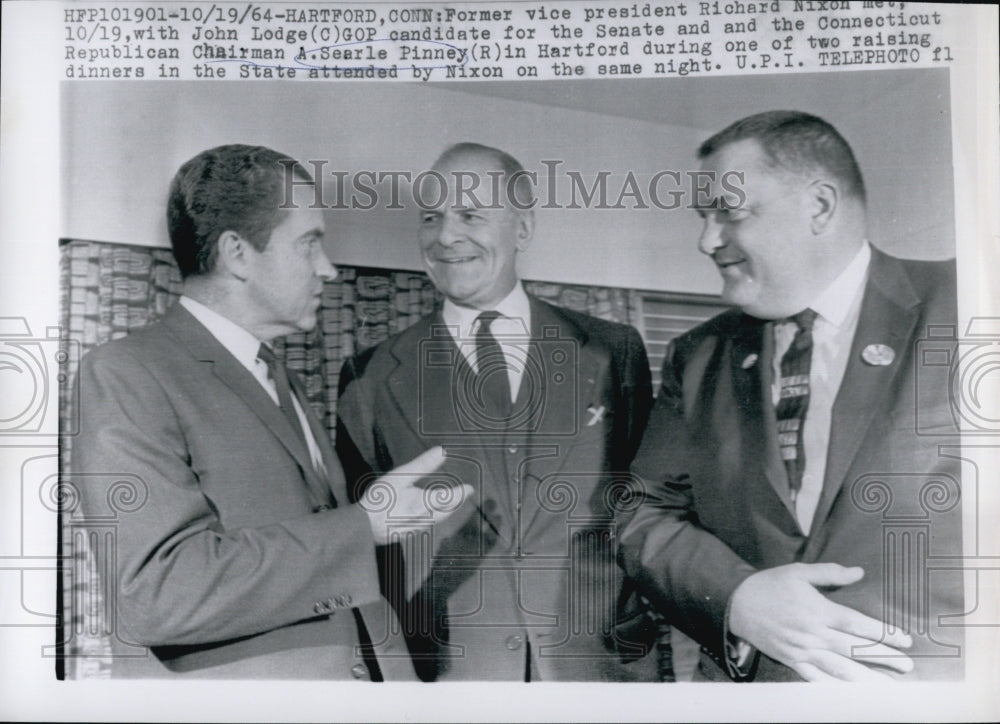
596 415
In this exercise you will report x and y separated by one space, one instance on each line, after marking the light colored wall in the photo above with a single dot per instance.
123 142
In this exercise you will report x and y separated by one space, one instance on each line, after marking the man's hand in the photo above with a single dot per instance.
779 611
396 504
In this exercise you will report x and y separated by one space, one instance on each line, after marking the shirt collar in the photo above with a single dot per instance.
238 341
837 300
514 306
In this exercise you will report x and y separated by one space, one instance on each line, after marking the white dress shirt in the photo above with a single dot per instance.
244 346
838 308
512 331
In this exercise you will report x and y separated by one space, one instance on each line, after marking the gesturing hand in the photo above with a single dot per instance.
779 611
395 503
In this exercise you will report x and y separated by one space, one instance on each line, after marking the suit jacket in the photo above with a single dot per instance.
529 561
219 564
716 506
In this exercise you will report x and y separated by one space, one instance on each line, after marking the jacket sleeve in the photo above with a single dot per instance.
686 572
181 577
637 391
355 426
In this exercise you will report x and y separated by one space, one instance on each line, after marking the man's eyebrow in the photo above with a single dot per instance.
313 233
477 205
711 205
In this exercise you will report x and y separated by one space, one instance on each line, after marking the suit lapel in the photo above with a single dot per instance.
335 481
554 338
751 366
206 348
422 387
561 406
408 383
888 315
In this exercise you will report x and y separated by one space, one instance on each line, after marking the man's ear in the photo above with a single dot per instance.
233 255
823 202
525 228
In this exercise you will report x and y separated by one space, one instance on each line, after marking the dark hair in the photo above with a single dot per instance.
227 188
508 164
797 142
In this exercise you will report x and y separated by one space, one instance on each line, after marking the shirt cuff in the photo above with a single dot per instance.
740 657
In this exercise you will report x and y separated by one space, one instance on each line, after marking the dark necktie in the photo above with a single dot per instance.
316 477
491 368
278 373
794 400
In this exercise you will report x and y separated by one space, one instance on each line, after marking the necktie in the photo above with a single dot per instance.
794 400
491 369
279 376
316 478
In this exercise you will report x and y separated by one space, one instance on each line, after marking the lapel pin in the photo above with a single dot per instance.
596 415
878 355
750 361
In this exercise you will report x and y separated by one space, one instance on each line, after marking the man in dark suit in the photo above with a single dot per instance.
540 410
788 503
237 553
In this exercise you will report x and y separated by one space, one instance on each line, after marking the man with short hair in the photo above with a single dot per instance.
782 467
540 410
240 556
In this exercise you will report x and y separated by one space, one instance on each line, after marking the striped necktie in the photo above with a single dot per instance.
794 399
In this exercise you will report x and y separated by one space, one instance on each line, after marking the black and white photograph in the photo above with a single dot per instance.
515 397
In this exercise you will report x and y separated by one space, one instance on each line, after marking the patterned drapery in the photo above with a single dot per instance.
110 290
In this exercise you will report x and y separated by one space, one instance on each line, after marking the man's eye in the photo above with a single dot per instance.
429 218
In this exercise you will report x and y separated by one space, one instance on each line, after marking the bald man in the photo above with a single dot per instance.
540 409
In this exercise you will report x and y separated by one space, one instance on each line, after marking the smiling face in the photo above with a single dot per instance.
469 243
763 247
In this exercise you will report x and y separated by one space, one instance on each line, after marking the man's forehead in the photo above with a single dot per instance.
302 220
743 155
470 163
746 164
468 179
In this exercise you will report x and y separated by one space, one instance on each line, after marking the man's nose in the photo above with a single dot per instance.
449 231
323 268
710 240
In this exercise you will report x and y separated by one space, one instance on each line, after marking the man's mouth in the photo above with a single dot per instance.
457 259
726 263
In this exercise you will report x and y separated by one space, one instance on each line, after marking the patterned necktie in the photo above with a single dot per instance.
794 400
491 368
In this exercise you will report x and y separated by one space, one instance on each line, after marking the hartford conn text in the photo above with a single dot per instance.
552 188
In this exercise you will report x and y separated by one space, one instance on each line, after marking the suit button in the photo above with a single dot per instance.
513 643
359 671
